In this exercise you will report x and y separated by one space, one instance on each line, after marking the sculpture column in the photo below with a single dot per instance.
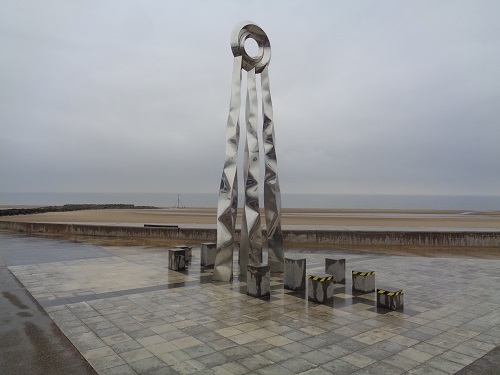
251 232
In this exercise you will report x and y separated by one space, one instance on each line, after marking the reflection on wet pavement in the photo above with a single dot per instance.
127 313
30 342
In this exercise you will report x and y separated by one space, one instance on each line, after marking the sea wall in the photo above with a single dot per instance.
310 237
394 238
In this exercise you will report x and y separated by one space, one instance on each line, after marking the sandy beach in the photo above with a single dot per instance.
290 217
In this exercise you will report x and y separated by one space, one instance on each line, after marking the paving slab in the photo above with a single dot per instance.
30 342
126 312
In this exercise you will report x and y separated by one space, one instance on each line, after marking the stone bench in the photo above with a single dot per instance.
363 281
160 226
390 298
208 252
320 288
336 267
176 259
259 280
189 254
294 277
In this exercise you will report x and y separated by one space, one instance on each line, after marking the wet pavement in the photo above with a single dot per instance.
126 313
487 365
30 342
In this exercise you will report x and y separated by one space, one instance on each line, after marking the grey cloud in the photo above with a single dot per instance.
369 96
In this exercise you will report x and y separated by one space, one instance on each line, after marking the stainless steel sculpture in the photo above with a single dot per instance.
251 233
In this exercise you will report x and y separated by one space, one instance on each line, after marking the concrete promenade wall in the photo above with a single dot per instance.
311 237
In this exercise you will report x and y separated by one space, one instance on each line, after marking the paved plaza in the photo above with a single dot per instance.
127 313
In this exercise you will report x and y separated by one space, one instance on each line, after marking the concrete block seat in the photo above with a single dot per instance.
176 259
320 288
294 277
259 280
390 298
189 254
363 281
208 252
336 267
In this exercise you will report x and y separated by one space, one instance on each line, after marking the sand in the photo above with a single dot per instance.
296 217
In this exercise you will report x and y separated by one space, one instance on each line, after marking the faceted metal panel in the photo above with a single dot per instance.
251 209
228 191
250 249
272 194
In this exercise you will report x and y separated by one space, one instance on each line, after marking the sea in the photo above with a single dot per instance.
333 201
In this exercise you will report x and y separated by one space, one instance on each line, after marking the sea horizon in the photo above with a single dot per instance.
329 201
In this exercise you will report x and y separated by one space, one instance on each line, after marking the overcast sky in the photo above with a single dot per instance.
132 96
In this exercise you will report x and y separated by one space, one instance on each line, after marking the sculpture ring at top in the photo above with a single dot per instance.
240 34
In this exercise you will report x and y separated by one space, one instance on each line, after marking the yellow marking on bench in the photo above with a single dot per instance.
320 279
363 273
391 294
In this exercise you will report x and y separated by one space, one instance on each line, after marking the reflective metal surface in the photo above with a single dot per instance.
228 191
242 32
244 244
250 251
272 194
251 209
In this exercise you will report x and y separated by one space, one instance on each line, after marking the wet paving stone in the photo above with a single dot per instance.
30 342
126 311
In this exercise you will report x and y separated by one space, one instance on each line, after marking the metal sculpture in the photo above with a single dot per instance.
251 233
